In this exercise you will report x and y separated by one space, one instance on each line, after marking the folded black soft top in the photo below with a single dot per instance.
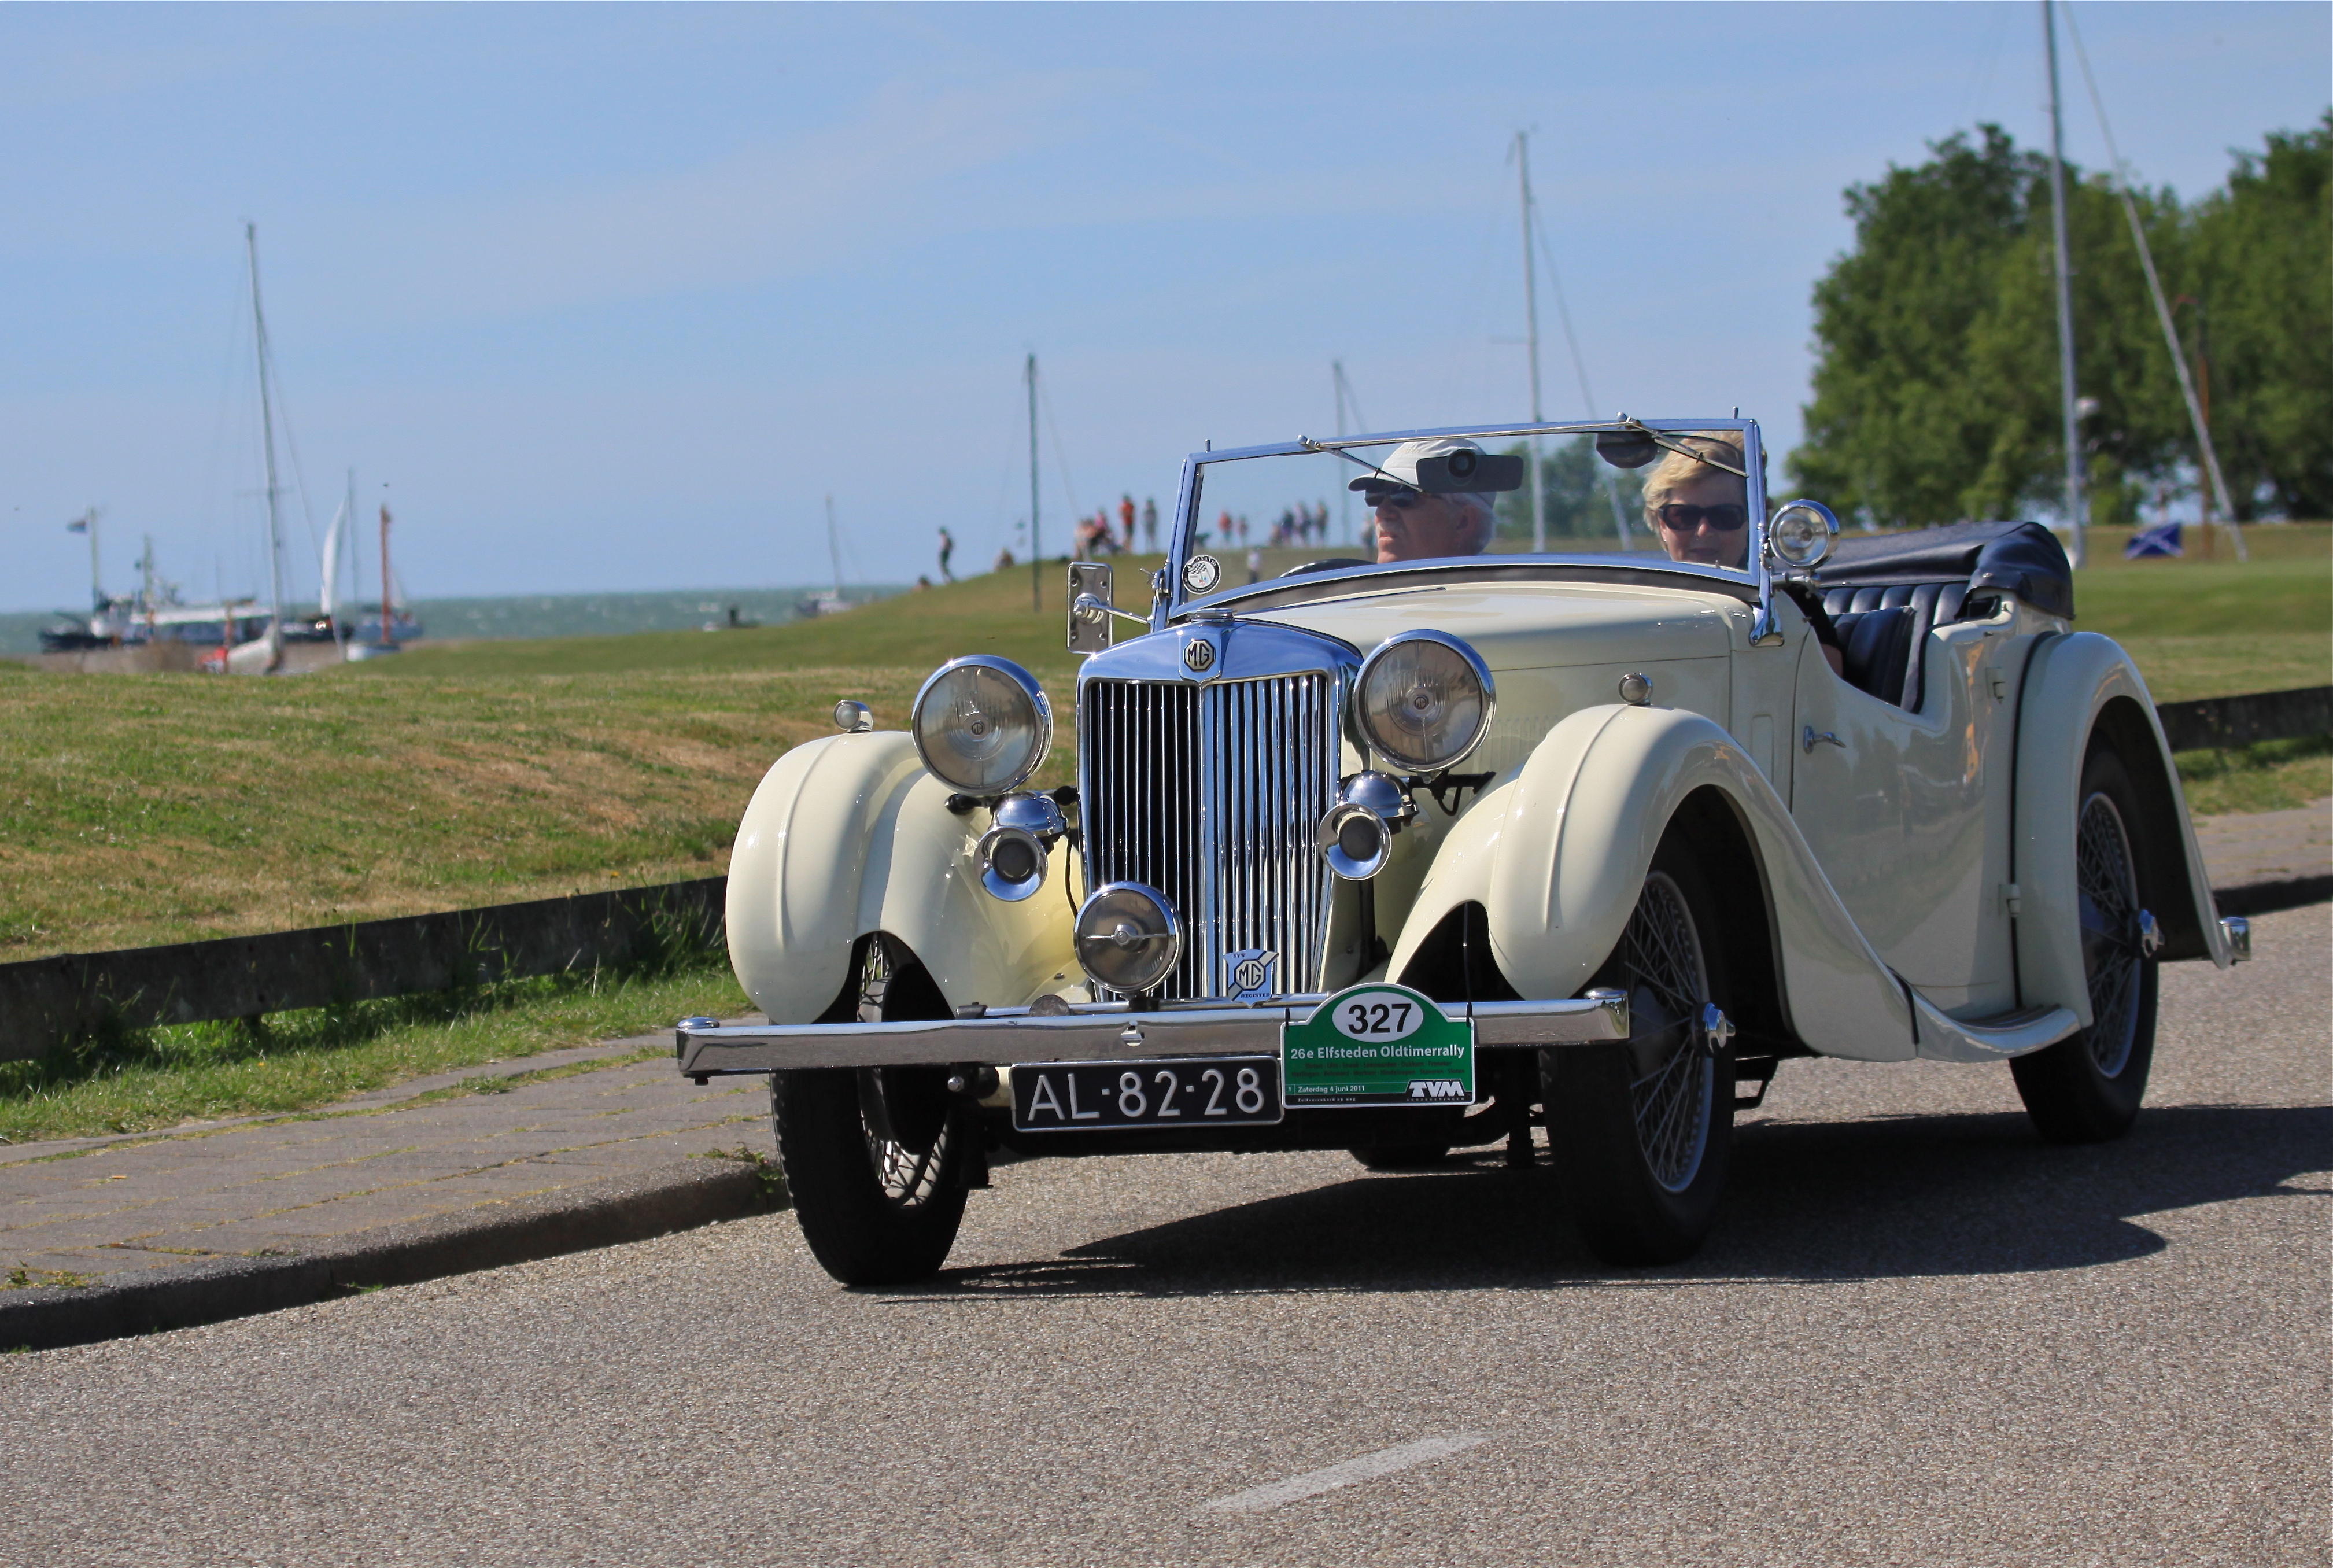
2021 558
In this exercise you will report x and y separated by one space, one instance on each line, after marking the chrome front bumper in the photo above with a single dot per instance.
1101 1032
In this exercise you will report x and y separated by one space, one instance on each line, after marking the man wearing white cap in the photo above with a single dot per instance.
1412 525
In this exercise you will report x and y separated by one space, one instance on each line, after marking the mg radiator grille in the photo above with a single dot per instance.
1210 793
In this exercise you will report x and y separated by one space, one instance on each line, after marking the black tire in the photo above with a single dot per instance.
1642 1132
874 1157
1401 1156
2088 1087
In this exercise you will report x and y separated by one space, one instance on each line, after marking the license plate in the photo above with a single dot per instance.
1203 1091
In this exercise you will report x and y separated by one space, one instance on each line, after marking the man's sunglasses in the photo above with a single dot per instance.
1399 500
1727 518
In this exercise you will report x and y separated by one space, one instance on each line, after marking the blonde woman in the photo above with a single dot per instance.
1701 512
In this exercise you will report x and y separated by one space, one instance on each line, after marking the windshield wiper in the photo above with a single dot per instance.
1309 445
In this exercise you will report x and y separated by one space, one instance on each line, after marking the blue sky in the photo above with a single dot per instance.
611 298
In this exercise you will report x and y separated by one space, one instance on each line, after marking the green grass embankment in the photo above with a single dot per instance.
138 809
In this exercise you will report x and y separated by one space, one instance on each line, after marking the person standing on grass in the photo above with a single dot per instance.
1150 523
948 548
1126 521
1254 564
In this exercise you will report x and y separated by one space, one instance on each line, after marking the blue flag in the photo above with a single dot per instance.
2161 539
78 525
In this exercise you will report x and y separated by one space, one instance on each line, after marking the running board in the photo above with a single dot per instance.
1995 1039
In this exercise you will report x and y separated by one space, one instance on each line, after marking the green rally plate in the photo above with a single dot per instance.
1377 1044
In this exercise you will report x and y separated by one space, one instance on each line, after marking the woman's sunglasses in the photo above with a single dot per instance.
1726 519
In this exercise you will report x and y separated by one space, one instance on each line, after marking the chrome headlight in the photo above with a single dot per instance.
982 723
1423 700
1127 937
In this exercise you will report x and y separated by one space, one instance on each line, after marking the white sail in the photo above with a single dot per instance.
330 594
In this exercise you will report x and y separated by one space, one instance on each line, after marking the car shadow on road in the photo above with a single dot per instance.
1894 1198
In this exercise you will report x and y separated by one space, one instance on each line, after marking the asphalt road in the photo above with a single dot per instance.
1921 1337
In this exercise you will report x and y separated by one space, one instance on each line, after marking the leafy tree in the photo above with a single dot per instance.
1901 428
1576 487
2263 288
1936 390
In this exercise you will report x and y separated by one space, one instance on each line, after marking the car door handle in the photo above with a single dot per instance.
1811 737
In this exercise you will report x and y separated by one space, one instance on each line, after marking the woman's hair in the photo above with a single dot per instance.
1675 469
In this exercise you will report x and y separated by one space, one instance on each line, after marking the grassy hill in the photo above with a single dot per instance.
139 809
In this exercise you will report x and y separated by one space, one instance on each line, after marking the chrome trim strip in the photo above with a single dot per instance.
1107 1032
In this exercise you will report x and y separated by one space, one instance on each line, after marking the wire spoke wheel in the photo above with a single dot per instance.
2107 884
1642 1130
1659 964
875 1158
2088 1087
909 1151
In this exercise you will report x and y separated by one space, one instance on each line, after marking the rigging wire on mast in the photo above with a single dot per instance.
2218 484
2076 506
1061 454
1531 343
1580 369
1343 390
1036 570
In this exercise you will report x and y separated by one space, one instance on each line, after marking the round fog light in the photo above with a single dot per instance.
1128 938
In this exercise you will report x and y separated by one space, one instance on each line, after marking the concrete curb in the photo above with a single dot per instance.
680 1196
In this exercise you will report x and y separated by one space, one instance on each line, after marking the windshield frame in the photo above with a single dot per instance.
1174 601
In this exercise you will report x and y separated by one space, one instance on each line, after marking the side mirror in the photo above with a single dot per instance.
1089 626
1460 473
1800 534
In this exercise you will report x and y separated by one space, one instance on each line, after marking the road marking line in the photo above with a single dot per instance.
1368 1467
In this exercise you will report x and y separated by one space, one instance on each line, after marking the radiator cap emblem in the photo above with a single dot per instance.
1248 972
1199 655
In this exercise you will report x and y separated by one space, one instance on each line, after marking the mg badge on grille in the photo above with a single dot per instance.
1199 655
1248 974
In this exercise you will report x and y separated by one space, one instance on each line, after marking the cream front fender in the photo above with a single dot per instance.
1556 855
2075 685
850 834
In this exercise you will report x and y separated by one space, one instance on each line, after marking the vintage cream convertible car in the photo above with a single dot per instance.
1425 852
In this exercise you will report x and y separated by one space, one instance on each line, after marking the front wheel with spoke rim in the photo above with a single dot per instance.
874 1157
1641 1131
2087 1087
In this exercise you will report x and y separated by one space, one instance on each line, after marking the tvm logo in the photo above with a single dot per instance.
1437 1089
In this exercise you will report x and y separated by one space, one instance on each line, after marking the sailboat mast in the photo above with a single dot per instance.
267 449
1530 339
2076 508
96 580
833 549
387 637
1344 495
1036 570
